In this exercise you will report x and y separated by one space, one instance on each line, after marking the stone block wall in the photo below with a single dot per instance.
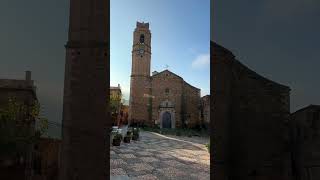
250 121
46 159
167 86
305 132
173 84
192 111
139 89
205 110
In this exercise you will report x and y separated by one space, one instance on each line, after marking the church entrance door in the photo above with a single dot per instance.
166 120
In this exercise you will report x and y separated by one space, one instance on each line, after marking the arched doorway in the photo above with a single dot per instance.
166 120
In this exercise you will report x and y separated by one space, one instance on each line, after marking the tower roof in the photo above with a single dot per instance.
154 75
142 25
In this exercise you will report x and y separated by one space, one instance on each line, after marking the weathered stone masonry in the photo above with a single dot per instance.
83 152
250 121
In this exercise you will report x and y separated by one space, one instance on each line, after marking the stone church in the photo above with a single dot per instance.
163 98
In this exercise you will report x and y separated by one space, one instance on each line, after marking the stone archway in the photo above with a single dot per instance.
166 116
166 120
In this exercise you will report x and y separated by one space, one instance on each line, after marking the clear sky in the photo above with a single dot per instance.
180 39
277 39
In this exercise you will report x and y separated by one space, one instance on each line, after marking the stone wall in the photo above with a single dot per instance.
46 159
205 110
250 120
184 98
139 89
173 84
305 132
191 102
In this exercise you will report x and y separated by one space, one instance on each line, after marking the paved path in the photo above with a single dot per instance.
156 156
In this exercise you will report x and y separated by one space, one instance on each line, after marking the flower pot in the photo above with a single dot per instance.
129 133
127 139
116 142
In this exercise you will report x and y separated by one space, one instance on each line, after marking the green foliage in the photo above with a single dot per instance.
115 102
118 136
130 129
177 132
208 147
16 122
129 134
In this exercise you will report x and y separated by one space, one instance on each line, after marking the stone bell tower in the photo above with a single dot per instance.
140 88
83 152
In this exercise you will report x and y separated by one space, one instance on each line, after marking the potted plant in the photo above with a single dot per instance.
117 139
127 138
114 132
135 134
129 133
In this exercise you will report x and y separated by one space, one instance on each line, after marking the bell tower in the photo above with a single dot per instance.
141 50
140 87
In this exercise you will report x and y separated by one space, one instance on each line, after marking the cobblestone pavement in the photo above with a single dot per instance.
156 156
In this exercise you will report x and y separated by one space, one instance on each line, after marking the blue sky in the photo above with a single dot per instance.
180 39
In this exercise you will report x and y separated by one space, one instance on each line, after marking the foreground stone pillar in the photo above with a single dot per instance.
221 85
84 148
249 122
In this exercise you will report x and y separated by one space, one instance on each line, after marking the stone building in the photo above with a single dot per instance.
115 91
250 122
24 92
305 133
46 157
163 98
115 103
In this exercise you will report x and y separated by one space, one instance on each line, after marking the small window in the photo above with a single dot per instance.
167 90
142 38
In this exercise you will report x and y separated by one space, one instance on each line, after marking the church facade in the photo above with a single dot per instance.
163 98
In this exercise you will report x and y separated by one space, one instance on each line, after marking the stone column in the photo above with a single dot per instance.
85 114
221 87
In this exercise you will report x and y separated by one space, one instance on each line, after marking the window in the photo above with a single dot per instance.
167 91
142 38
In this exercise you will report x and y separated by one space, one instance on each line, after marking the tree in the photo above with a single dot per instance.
115 102
115 105
17 127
